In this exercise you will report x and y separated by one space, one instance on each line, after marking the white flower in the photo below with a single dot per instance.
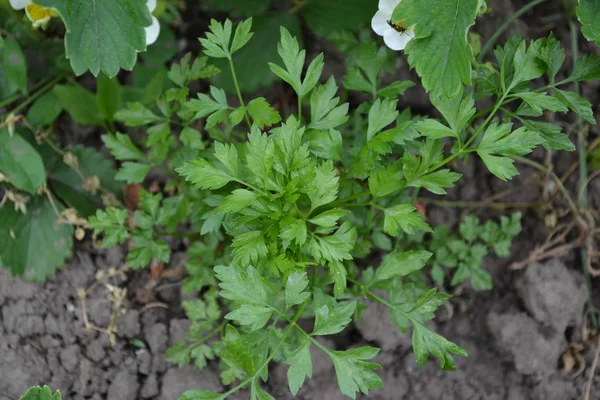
395 36
153 30
38 15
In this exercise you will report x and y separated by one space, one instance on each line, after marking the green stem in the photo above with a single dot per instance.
16 97
33 97
583 177
505 26
239 92
300 109
292 324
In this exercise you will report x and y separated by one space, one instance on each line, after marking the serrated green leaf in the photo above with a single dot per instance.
293 59
191 138
252 61
204 106
136 114
440 51
381 114
131 172
587 68
300 367
258 393
578 104
102 36
328 218
111 223
401 264
262 113
425 341
325 144
217 41
436 181
588 13
331 320
552 54
236 201
324 187
145 250
434 129
20 162
242 284
526 64
551 133
457 111
242 35
500 140
41 393
353 373
122 148
294 289
339 275
403 216
204 175
324 109
386 181
249 247
395 89
22 235
293 230
502 167
541 101
254 315
179 353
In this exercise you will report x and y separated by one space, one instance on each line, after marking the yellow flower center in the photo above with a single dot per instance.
38 14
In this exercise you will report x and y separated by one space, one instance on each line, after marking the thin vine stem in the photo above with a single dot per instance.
33 97
239 92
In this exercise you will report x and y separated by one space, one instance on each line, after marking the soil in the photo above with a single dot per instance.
516 334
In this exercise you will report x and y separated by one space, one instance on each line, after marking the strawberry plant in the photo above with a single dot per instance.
293 217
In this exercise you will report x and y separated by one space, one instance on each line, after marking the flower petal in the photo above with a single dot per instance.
151 5
388 5
152 31
395 40
379 23
19 4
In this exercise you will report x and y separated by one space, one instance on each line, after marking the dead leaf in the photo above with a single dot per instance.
132 196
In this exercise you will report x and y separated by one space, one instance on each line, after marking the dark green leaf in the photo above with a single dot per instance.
15 65
20 162
354 374
262 113
23 235
102 36
122 148
440 51
332 320
108 94
80 104
132 172
44 110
